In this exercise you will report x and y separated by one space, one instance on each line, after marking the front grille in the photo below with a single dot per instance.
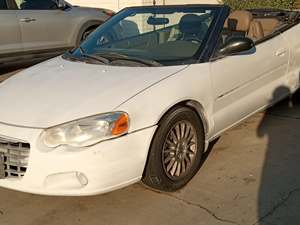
14 157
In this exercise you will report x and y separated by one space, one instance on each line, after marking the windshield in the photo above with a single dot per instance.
152 35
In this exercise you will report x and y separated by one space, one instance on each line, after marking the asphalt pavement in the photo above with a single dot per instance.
250 177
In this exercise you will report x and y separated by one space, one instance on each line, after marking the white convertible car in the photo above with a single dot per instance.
142 98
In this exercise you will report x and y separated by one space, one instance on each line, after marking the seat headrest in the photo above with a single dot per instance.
239 20
190 24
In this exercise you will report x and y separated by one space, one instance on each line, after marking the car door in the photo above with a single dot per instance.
293 77
10 36
245 83
43 25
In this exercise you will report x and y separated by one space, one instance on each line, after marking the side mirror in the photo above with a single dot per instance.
236 45
61 4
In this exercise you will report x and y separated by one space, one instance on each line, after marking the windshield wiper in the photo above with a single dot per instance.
109 57
93 57
119 56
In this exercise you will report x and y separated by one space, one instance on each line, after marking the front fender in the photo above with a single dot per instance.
193 83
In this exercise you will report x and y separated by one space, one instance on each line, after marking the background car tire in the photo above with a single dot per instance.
86 33
159 172
86 30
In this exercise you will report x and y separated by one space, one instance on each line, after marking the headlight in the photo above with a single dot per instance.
88 131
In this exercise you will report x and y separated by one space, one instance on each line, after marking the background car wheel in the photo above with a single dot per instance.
176 151
86 33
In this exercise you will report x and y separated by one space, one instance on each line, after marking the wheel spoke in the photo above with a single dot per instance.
190 137
168 159
171 144
177 129
187 131
191 156
174 137
174 167
183 165
171 163
192 148
191 143
190 151
182 129
178 170
170 151
188 160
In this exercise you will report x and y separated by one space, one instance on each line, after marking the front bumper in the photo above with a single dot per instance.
92 170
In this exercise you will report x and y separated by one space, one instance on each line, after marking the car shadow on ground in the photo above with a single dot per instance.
279 192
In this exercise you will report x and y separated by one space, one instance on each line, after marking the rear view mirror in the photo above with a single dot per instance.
157 21
236 45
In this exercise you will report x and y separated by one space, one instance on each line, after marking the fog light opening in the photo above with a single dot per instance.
66 181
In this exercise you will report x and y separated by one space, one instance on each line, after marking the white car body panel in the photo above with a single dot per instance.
293 77
97 163
59 91
246 82
193 83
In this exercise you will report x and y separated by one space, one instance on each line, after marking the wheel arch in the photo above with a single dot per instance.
86 26
194 105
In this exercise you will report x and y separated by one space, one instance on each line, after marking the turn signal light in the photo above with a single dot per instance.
121 126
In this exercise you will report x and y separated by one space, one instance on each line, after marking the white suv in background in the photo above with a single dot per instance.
34 29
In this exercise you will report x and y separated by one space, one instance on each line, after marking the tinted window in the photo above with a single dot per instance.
3 4
36 4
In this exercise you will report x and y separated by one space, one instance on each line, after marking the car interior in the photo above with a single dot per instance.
191 27
257 25
179 40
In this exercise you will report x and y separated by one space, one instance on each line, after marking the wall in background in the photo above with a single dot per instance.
117 5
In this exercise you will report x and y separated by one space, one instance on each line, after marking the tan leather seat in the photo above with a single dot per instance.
268 24
242 21
239 20
256 31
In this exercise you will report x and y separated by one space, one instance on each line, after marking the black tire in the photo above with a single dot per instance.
156 174
86 33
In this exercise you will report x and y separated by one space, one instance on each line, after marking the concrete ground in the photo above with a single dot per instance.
250 177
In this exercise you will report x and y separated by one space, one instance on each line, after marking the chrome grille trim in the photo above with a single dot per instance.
14 156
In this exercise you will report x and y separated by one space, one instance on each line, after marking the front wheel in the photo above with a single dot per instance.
176 151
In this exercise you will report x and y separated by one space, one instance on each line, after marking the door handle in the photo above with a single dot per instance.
27 20
281 52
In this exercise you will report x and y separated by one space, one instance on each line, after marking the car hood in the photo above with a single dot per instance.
59 91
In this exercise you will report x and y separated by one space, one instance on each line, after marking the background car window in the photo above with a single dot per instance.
36 4
3 4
